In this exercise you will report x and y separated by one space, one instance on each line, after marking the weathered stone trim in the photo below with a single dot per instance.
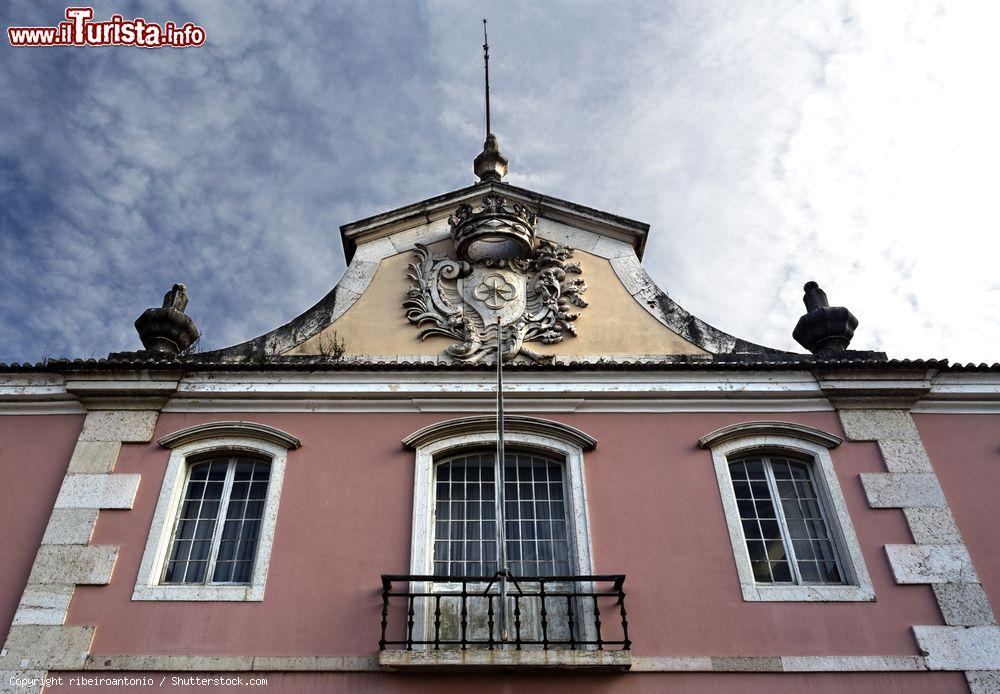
639 664
37 647
462 426
39 640
971 641
487 660
43 604
851 389
852 663
215 430
768 428
931 564
983 682
964 604
98 491
660 306
70 526
70 565
94 457
128 426
959 648
932 526
903 490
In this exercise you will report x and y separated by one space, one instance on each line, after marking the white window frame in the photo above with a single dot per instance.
811 446
188 448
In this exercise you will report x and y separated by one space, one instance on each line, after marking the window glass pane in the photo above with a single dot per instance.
761 528
761 571
535 516
800 528
195 546
781 572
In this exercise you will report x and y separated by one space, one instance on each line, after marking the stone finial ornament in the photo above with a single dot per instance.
167 330
824 329
491 164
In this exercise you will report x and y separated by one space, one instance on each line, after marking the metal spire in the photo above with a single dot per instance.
491 164
486 67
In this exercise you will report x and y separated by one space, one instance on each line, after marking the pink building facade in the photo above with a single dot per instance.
317 508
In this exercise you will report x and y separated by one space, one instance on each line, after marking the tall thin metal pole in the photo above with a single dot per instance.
486 65
498 475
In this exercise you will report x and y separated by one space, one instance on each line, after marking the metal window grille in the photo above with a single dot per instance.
535 516
218 524
788 542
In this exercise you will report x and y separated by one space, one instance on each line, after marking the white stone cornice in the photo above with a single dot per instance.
215 430
474 391
768 428
462 426
890 389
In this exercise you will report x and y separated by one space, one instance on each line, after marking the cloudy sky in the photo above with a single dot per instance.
766 143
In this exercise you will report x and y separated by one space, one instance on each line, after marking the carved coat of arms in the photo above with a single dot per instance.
528 297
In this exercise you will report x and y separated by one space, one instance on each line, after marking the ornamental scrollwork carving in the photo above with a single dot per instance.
530 298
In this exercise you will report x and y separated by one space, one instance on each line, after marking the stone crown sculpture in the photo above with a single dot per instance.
824 329
167 330
495 230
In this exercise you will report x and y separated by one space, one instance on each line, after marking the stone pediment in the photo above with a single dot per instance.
438 279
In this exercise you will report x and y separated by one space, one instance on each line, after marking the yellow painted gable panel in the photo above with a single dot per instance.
613 324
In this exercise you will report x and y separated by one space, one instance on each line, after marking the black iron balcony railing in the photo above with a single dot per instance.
547 612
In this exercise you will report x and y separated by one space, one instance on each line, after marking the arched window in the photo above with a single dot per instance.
219 520
454 498
214 523
789 528
535 515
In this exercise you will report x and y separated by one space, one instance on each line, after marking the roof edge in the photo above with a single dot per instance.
441 206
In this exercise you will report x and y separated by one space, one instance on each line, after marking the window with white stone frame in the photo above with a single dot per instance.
791 535
546 505
213 527
545 517
217 529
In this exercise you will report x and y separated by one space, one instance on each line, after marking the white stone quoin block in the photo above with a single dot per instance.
74 564
964 604
871 425
130 426
47 647
931 564
905 456
94 456
70 526
932 526
959 648
902 490
98 491
44 604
